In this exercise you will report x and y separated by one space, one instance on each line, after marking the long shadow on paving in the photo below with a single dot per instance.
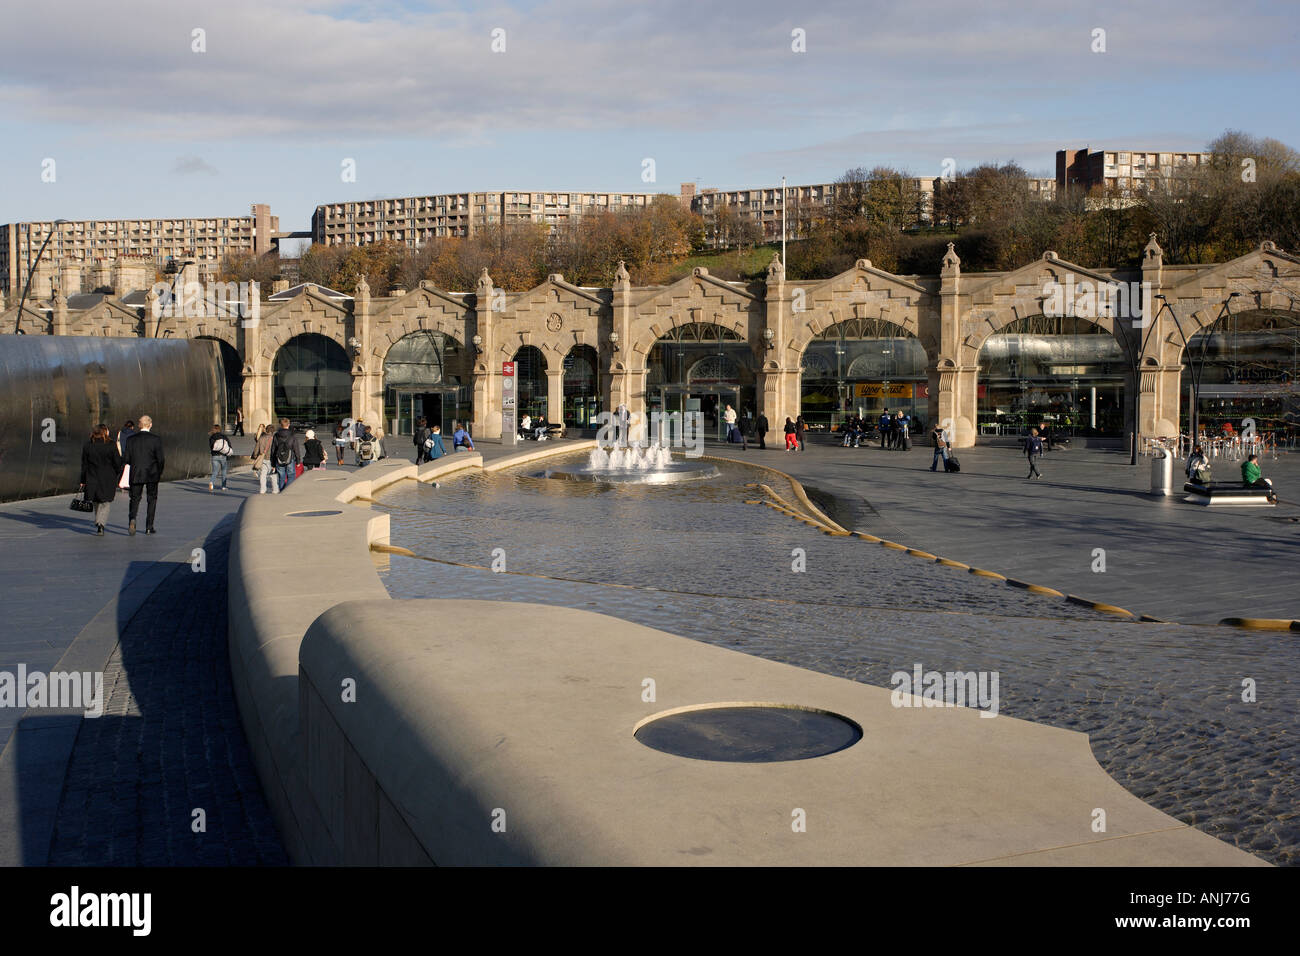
169 743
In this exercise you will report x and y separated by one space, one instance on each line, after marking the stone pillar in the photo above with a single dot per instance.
555 393
954 387
780 373
70 277
487 366
258 384
1159 395
60 323
625 386
367 379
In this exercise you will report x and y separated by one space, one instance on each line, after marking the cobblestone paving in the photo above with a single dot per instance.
169 742
1161 703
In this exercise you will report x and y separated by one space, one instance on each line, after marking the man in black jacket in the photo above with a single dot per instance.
760 430
143 454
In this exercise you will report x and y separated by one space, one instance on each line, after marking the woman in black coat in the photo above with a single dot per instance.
101 467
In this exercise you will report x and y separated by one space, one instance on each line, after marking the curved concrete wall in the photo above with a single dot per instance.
468 732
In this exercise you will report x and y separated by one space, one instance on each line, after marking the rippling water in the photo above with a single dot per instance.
1161 703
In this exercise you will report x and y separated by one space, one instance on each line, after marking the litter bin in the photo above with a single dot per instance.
1162 472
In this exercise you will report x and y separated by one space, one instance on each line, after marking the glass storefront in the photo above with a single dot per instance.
1064 371
582 401
1251 370
313 382
530 371
700 367
860 368
426 375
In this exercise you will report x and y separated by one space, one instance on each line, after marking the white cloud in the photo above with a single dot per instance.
332 72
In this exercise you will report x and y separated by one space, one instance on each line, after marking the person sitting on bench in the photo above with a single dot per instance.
1251 476
1198 466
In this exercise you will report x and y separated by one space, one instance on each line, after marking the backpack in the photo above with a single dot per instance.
366 450
222 447
281 452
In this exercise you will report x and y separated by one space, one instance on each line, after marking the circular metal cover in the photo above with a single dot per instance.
749 733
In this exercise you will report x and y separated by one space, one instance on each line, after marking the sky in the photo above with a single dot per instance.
168 109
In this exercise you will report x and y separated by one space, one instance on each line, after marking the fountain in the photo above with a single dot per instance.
648 464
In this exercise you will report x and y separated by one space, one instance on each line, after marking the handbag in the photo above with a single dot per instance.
79 503
297 470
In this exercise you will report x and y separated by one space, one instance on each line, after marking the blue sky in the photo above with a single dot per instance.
139 124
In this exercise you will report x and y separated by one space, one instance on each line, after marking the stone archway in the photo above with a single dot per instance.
311 381
427 374
862 367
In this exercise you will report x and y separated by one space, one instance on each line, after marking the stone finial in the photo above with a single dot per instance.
776 269
620 274
950 258
484 278
1152 251
363 288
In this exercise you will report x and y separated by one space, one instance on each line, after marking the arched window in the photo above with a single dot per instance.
1062 370
860 367
313 381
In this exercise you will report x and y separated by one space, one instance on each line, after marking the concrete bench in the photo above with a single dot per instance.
1229 493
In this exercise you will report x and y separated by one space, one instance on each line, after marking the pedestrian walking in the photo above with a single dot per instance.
939 439
760 430
886 422
123 435
142 469
262 466
421 438
313 452
220 450
436 448
239 422
791 436
341 438
1033 451
800 426
100 466
734 433
284 454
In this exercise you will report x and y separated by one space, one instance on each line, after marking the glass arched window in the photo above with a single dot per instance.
1062 370
313 381
862 367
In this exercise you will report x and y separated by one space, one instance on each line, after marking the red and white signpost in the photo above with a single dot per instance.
509 432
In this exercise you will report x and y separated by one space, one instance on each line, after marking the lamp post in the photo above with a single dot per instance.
180 271
18 319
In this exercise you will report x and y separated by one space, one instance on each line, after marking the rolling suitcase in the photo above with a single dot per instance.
951 463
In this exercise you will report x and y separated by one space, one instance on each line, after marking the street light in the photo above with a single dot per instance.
180 271
30 270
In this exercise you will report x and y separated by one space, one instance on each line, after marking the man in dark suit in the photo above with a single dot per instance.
143 452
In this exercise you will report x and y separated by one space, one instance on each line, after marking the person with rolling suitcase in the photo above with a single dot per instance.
939 441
